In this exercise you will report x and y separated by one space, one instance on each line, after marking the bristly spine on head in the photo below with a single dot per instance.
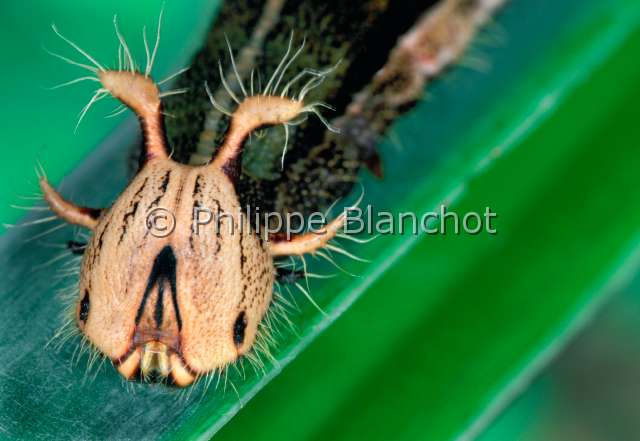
124 81
138 91
271 105
284 107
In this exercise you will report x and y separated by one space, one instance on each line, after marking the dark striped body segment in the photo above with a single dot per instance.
174 282
435 43
181 281
319 167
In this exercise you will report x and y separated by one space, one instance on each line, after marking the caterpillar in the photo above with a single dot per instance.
180 306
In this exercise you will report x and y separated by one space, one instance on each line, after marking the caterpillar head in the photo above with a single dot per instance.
162 293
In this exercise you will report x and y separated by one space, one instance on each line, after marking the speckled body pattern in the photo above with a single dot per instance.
376 81
319 167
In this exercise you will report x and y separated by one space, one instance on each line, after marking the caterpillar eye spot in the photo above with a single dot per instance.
239 327
83 313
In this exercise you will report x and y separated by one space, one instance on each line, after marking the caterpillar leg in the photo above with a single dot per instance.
70 212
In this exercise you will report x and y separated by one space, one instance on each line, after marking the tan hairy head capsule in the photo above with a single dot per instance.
187 303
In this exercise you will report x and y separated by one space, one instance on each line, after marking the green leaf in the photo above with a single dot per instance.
446 325
40 122
445 339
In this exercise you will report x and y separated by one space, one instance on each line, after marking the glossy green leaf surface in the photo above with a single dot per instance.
461 324
37 122
442 329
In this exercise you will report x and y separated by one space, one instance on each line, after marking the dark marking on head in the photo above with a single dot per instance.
98 248
135 202
179 193
163 271
243 260
194 219
239 327
141 189
85 304
231 168
162 189
165 182
196 187
125 220
159 311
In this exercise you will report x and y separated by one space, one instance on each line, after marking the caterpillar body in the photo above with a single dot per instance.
181 306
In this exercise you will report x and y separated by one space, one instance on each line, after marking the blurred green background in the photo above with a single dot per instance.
439 344
38 123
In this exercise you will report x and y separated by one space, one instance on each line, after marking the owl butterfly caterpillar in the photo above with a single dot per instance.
187 305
